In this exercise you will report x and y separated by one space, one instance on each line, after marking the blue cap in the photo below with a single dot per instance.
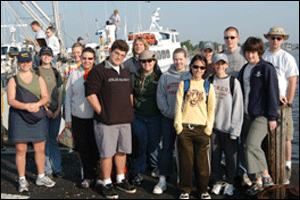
46 50
24 56
80 38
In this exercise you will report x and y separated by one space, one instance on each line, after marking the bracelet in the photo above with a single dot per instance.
289 105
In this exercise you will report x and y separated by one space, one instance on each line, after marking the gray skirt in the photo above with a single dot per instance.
21 131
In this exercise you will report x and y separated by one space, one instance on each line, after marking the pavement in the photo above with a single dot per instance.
68 187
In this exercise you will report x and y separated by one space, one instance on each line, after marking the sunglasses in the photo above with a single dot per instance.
197 67
277 38
144 61
89 58
231 37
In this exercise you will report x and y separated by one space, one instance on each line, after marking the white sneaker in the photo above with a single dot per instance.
205 196
46 181
228 189
23 186
160 187
246 181
184 196
217 187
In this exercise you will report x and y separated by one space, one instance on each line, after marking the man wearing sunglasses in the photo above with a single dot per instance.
287 72
235 55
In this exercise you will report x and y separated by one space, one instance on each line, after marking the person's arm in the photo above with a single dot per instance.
94 102
178 108
211 104
291 89
57 112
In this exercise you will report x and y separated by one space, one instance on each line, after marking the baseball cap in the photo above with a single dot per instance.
207 45
24 56
46 50
79 38
220 56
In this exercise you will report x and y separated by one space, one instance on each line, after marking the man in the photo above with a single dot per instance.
287 72
235 55
80 40
40 34
53 43
108 89
115 20
207 49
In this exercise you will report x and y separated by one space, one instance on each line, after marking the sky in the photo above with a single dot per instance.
194 20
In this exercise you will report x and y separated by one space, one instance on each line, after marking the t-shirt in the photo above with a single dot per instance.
285 65
53 43
236 61
117 18
246 86
40 34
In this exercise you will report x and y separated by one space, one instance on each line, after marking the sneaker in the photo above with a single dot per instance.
46 181
255 189
99 183
288 173
50 176
160 187
109 192
228 189
246 180
59 174
267 182
23 186
217 187
155 173
205 196
86 183
125 186
184 196
136 179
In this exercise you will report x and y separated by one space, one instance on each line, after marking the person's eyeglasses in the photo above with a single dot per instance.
197 67
144 61
231 37
89 58
277 38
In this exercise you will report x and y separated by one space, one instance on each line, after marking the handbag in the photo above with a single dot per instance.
66 138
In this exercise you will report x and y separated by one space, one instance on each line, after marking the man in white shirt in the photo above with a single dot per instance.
53 43
287 72
115 19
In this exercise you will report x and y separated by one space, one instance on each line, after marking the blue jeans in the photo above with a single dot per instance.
52 153
148 132
166 155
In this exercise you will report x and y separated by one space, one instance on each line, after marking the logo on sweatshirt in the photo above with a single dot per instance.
258 74
194 97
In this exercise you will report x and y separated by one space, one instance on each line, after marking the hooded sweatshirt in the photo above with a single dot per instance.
167 89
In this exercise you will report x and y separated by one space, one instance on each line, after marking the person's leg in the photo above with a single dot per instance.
230 150
216 149
39 156
21 149
120 162
106 167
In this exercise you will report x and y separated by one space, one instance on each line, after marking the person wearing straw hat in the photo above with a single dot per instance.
287 72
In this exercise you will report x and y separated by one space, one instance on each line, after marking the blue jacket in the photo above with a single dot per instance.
264 93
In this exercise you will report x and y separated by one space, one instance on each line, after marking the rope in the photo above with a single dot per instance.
87 34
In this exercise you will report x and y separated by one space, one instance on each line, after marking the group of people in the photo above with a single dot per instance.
225 102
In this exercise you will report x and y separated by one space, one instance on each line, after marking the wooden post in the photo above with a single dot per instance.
276 154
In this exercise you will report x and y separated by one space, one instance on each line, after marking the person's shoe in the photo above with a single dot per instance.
59 174
136 179
205 196
217 187
99 183
45 181
246 180
160 187
23 186
109 192
288 173
50 176
267 182
228 189
155 173
184 196
255 189
86 183
125 186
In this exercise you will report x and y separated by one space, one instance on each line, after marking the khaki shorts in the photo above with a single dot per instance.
289 122
111 139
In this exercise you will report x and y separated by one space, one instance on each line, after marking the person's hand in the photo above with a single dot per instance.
68 125
272 125
56 114
49 113
32 107
283 100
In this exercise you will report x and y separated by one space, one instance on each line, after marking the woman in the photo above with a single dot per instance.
166 97
139 45
194 118
20 131
261 100
79 117
147 124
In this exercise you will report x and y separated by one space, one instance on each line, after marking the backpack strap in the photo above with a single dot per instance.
232 79
186 87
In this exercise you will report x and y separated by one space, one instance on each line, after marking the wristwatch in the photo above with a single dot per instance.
289 105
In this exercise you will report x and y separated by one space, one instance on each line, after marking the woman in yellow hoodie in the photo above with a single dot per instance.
194 118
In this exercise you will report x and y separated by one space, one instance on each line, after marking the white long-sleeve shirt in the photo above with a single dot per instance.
53 43
76 102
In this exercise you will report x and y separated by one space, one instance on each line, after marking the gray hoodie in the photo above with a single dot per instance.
167 89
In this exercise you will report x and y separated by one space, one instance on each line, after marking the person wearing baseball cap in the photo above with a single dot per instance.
79 40
287 72
24 56
207 49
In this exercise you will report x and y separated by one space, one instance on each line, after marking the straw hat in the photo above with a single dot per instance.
147 54
276 30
